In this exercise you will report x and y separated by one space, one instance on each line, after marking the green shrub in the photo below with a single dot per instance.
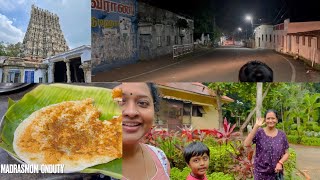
317 134
290 165
293 126
220 158
301 129
279 125
169 146
210 141
177 174
316 128
220 176
294 139
310 126
309 133
310 141
293 132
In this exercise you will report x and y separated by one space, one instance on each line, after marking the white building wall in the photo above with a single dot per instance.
50 72
262 34
287 43
86 55
281 38
278 35
24 71
294 45
38 73
1 71
311 53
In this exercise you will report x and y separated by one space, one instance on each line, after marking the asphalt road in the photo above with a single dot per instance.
211 65
308 160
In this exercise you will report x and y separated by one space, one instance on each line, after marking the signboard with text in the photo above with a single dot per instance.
113 33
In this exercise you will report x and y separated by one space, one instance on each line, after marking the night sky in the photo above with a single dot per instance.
230 14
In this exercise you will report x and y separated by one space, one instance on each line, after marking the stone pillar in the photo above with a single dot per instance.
67 61
51 73
21 75
5 74
86 66
45 75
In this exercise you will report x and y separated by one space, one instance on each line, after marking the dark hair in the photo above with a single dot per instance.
272 110
155 95
195 148
255 71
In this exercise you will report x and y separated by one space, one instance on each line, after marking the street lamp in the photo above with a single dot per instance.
239 31
249 18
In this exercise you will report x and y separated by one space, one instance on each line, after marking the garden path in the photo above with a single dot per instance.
308 159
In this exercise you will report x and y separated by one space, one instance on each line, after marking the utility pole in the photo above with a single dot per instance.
246 33
214 28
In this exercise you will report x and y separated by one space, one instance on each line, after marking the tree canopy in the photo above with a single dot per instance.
11 50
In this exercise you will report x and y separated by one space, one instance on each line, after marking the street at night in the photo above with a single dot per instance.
211 65
284 34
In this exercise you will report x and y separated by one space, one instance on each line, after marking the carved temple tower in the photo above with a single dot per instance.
44 37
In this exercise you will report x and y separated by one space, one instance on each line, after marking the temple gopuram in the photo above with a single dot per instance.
44 37
45 56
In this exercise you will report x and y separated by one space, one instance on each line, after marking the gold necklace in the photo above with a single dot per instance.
144 163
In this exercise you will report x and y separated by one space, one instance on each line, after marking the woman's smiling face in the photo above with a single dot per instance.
137 111
271 119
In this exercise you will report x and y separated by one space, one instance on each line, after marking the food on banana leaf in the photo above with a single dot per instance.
68 133
117 94
45 96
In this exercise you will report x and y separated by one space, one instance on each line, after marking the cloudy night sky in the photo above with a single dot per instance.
74 19
230 14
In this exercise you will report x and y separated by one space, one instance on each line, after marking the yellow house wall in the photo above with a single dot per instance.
208 120
186 119
199 99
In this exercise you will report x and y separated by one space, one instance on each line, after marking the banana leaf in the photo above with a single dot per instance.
44 95
10 102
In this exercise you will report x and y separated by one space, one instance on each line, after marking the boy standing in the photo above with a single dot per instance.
197 155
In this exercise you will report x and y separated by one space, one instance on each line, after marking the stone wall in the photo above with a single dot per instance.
158 31
138 32
114 33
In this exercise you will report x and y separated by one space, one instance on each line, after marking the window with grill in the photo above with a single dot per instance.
159 41
176 40
168 41
270 38
309 41
198 111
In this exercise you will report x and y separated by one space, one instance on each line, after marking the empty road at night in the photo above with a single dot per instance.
211 65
